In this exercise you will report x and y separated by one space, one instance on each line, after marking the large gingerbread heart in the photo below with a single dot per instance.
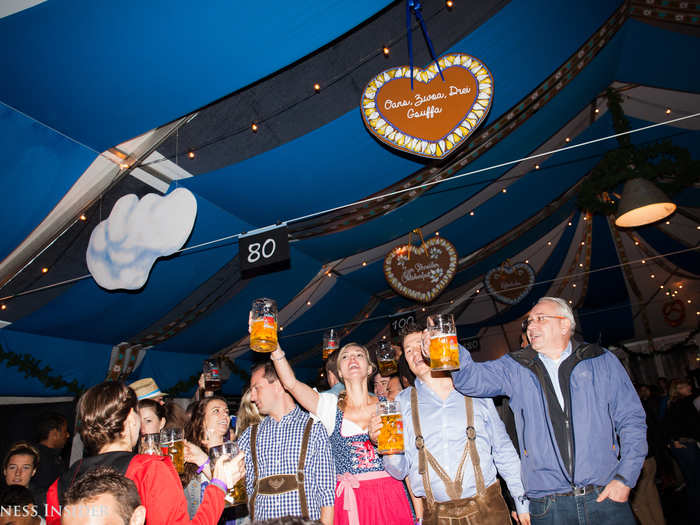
510 284
437 115
424 274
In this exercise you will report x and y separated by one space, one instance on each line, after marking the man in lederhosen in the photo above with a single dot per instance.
289 463
454 446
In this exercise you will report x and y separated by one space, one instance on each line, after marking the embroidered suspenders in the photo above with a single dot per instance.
281 483
487 507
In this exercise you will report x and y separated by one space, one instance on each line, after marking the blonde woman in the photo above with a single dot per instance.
247 414
365 493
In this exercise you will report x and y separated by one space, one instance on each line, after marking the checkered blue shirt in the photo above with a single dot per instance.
278 446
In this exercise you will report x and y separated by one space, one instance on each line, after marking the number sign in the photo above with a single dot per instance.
471 344
398 323
264 251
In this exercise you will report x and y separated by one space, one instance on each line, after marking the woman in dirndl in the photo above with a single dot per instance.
365 494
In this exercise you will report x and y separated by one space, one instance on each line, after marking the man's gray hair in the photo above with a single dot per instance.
564 308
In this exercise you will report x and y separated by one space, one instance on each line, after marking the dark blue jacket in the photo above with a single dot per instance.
579 446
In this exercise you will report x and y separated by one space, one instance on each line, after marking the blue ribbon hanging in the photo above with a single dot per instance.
415 7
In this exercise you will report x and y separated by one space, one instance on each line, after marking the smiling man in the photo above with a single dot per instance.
581 426
454 447
289 463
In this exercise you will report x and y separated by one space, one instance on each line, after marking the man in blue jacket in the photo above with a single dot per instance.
581 427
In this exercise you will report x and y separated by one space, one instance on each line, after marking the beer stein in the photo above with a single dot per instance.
173 445
331 341
263 329
150 444
236 495
212 379
386 358
444 349
390 439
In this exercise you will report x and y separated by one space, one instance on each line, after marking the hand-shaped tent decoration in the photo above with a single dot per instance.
124 247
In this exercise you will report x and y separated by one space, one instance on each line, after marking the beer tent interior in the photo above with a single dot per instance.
100 100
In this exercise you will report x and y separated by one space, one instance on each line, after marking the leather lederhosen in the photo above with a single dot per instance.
487 507
281 483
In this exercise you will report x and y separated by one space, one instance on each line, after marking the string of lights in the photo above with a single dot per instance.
234 237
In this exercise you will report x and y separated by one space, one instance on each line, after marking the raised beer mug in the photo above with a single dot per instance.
386 358
263 329
331 341
444 349
390 439
212 378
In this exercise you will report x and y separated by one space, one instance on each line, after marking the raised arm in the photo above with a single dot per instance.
306 396
488 379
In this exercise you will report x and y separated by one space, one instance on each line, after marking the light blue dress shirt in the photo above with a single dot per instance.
552 367
444 425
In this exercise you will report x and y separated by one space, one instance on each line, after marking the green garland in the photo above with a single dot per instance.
31 367
661 160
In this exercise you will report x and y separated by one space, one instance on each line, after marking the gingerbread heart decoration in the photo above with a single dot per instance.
421 272
437 115
510 284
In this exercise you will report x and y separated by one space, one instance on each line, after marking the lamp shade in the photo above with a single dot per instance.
642 203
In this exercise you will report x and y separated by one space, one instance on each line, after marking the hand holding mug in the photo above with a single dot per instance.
230 470
375 426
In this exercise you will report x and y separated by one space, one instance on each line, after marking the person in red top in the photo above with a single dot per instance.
109 426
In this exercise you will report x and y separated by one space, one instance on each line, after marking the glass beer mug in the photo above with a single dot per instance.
444 349
390 439
331 341
263 329
212 378
236 495
150 444
386 358
172 444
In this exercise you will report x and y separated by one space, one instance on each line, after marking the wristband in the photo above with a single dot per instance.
202 466
279 358
219 483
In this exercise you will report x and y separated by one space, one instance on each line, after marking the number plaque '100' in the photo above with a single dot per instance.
264 251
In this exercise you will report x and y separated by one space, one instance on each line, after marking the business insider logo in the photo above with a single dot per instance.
31 511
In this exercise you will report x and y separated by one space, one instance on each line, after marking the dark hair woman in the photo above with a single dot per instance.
208 427
153 416
109 426
20 464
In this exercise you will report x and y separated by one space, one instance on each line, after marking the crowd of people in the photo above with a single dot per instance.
585 445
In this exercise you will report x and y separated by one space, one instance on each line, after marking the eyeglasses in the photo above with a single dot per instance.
538 319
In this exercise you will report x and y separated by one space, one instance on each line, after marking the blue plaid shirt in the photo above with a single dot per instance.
278 446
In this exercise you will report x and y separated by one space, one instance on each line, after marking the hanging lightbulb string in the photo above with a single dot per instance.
493 167
384 196
487 296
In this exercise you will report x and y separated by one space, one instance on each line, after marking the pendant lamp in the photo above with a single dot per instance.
642 203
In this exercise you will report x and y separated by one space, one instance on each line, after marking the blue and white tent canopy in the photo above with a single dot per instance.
102 100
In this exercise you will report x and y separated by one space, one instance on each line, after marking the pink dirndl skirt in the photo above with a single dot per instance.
372 498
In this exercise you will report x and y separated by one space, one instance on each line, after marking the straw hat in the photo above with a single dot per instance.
146 388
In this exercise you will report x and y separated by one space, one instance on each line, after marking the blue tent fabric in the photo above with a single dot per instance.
167 62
